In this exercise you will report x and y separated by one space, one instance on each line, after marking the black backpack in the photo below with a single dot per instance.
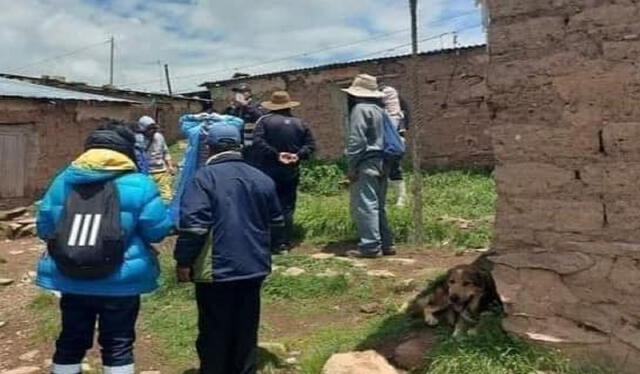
88 242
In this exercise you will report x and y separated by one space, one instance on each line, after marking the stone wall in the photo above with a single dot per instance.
564 100
58 130
453 99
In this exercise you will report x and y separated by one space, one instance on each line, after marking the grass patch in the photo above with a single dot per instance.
45 307
492 351
458 210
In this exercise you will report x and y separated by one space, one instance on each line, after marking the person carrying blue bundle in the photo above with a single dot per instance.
98 217
195 128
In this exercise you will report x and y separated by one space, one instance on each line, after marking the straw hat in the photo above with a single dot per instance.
364 85
280 100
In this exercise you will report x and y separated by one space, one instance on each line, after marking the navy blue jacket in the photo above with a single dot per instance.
276 132
226 214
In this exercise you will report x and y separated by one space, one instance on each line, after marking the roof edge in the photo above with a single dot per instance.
337 65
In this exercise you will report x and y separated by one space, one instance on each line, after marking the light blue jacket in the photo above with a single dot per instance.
143 219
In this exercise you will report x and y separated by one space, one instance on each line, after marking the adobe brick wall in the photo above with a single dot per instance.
564 88
60 128
453 99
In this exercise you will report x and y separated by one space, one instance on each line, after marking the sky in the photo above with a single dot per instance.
209 40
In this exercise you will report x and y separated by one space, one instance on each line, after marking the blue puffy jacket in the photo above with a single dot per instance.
143 218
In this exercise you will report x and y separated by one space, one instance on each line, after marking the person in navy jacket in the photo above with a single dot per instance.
226 215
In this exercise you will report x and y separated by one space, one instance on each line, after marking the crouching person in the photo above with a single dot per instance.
223 246
99 217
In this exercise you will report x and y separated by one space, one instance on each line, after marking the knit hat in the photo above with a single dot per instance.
223 134
118 139
145 122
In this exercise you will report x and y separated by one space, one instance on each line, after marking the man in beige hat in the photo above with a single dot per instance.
368 170
283 141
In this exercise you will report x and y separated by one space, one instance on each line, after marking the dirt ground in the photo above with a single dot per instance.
18 334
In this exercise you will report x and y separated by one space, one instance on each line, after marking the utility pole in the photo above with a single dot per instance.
166 74
112 42
417 236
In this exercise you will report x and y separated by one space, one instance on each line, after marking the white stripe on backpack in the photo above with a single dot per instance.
83 224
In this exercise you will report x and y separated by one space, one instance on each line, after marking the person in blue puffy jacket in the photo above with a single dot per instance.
113 301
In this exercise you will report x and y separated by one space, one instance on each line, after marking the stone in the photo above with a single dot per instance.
277 349
291 361
29 356
401 261
23 370
384 274
322 256
405 285
370 308
328 274
368 362
11 214
16 253
293 272
5 281
26 231
411 354
563 263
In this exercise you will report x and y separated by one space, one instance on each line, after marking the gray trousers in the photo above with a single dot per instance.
368 207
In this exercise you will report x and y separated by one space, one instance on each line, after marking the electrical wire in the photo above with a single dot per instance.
58 57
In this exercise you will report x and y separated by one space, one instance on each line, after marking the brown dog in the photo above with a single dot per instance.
459 298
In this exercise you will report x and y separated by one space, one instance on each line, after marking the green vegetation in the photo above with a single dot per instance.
458 209
45 307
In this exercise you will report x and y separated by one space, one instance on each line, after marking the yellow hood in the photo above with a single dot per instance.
104 159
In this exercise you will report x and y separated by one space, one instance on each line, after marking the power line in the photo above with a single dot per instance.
304 54
67 54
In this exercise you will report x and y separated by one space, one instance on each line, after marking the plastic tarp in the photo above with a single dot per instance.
195 127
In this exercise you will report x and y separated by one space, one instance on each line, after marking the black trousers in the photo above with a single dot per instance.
228 320
116 318
287 180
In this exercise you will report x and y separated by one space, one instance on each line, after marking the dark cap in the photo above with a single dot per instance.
223 134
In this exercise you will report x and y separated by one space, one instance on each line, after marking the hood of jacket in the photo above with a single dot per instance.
97 165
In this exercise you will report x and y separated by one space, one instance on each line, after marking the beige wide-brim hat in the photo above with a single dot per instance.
364 85
280 100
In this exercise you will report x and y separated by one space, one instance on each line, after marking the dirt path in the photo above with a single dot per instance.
18 336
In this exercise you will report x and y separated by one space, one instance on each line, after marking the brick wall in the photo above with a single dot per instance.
453 98
564 86
59 129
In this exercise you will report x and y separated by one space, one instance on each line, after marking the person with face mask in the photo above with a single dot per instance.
159 161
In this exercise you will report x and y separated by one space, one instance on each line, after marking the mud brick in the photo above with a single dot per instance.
620 140
532 178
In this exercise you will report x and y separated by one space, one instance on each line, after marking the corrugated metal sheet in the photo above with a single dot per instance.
18 88
341 65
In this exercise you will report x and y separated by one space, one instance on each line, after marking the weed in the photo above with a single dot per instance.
45 306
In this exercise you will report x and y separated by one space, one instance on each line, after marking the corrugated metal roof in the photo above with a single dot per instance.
343 64
19 88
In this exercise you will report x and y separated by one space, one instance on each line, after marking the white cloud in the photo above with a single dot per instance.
209 39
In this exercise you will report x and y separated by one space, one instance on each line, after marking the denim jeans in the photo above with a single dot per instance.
116 317
368 207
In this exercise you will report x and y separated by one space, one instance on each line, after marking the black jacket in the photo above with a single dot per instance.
249 113
282 132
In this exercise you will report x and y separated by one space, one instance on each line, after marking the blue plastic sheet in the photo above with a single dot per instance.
194 127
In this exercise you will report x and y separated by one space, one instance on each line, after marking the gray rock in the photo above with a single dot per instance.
5 281
369 362
406 285
23 370
384 274
370 308
322 256
29 356
293 272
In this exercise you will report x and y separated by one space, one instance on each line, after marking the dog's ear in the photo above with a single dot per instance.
479 278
